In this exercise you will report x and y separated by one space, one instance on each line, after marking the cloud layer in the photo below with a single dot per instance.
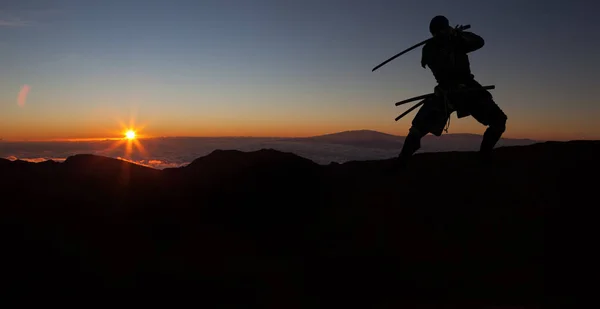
174 152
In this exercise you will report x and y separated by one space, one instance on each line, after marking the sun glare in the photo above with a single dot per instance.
130 134
130 141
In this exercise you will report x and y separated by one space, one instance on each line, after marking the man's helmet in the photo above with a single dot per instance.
438 23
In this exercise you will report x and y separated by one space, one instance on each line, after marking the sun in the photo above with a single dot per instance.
130 134
131 138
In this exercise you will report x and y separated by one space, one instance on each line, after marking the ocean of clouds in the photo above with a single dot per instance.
175 152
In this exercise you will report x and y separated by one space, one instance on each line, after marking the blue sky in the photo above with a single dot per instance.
283 67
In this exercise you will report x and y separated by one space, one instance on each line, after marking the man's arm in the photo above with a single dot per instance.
470 42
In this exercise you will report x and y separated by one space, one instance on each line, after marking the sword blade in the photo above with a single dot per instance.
461 28
400 54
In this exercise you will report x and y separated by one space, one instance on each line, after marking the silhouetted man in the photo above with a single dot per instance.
446 56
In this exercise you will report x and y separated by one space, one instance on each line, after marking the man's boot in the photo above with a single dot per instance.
412 143
490 138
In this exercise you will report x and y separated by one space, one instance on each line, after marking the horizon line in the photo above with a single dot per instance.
148 137
107 139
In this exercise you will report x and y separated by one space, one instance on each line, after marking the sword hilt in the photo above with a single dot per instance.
461 28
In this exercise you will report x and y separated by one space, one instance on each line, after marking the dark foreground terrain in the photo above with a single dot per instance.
268 229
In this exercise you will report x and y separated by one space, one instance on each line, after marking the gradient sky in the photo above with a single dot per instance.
75 69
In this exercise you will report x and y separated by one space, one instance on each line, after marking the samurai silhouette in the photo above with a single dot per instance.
446 55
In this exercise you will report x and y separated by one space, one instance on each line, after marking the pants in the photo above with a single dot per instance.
435 112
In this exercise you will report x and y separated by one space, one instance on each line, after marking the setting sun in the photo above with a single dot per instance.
130 134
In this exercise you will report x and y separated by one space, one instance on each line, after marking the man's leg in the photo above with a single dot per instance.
412 143
488 113
493 134
430 118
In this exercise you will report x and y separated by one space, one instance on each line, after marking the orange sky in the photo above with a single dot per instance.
29 115
292 128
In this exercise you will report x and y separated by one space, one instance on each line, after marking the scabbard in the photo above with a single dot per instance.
432 94
410 110
425 96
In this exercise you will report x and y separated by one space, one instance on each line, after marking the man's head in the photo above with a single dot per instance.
438 24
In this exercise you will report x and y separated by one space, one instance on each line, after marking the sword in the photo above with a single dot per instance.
413 47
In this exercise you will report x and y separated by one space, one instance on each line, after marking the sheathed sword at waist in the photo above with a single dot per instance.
425 96
410 110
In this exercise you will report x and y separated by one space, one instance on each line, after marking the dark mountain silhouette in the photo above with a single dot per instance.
430 143
267 229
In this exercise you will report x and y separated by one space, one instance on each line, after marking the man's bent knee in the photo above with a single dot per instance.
498 123
414 131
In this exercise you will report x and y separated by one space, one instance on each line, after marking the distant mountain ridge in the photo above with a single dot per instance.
357 138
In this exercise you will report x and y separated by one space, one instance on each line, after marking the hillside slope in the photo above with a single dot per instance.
267 229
